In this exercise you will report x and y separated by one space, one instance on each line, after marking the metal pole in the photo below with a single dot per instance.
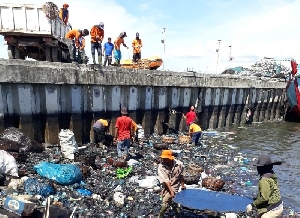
219 41
163 32
229 59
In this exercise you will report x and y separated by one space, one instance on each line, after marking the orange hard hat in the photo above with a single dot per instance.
65 5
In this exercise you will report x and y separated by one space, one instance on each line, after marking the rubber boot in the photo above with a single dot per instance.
177 212
162 211
100 60
94 61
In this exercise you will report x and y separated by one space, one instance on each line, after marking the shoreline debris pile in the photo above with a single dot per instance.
96 184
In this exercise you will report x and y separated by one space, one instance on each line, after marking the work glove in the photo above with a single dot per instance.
249 208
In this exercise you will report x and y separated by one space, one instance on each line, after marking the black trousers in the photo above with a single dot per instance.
136 57
107 59
101 137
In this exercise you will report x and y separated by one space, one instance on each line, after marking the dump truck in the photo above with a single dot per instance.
29 32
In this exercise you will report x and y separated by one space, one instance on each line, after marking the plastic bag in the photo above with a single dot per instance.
68 145
148 182
64 174
34 187
8 164
84 192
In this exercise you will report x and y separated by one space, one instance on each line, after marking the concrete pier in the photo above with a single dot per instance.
42 97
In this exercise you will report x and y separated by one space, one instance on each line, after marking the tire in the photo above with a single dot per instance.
19 54
11 51
55 55
48 54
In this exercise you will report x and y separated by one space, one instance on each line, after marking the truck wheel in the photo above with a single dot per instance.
48 54
19 54
55 55
11 51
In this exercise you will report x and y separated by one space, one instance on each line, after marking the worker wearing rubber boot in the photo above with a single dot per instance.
170 174
74 36
107 51
97 35
81 52
64 14
117 44
136 45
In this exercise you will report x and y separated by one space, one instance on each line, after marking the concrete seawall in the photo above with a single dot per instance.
42 97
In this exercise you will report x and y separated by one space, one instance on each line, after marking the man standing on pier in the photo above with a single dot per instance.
137 45
117 44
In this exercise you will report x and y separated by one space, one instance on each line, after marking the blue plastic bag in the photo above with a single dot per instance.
34 187
84 192
63 174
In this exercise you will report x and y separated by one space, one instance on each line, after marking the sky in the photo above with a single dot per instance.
253 28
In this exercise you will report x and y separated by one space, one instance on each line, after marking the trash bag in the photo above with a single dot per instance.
63 174
34 187
149 182
122 173
12 139
68 145
8 164
84 192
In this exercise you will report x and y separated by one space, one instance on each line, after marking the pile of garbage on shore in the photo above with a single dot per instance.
262 68
71 180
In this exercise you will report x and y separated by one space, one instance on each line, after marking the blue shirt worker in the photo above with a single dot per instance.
107 51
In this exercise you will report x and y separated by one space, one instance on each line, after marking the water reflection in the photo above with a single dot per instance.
282 141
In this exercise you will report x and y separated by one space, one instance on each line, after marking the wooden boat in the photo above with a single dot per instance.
151 63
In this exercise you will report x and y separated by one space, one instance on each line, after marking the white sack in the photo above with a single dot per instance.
8 164
148 182
68 145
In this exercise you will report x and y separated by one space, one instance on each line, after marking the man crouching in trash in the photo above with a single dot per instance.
170 175
268 201
101 137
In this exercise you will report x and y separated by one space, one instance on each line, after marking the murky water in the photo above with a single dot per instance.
282 141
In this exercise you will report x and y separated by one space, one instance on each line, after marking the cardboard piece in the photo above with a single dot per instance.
19 206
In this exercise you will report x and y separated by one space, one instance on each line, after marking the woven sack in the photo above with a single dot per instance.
213 183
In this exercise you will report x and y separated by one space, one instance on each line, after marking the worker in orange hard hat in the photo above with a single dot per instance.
64 13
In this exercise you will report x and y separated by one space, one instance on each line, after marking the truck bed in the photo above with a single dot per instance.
29 20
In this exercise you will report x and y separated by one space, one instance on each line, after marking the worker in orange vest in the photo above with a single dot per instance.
97 35
117 44
136 45
74 37
64 13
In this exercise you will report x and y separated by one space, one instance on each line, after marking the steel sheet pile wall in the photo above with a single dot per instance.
41 98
